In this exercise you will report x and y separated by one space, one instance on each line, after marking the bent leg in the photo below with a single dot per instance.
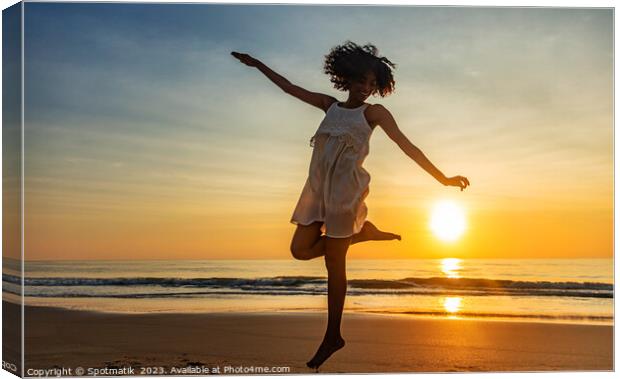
307 242
335 261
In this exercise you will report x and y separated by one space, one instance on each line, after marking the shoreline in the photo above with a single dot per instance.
542 319
375 343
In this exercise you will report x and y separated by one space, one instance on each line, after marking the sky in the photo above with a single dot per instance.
146 139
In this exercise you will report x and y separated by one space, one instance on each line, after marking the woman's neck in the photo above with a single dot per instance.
352 103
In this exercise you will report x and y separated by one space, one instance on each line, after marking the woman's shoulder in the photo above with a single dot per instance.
376 109
374 113
376 106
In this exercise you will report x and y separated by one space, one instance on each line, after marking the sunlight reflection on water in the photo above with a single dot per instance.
452 305
450 267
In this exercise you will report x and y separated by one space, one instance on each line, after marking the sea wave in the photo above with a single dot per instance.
296 285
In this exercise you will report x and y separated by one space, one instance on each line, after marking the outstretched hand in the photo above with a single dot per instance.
457 181
246 59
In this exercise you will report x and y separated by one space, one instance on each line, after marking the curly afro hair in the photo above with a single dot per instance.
350 62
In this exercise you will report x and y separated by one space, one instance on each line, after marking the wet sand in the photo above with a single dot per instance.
375 343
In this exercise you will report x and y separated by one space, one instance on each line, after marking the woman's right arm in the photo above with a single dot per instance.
319 100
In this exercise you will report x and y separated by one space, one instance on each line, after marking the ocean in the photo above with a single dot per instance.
545 290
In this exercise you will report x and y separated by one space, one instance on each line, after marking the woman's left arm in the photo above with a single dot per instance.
384 119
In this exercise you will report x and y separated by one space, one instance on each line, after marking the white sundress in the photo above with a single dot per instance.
337 184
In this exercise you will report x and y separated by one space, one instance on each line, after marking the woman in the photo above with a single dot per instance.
332 200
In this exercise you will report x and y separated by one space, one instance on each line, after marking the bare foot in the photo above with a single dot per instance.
325 351
370 232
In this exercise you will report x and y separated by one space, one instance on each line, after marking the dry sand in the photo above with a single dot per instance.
375 343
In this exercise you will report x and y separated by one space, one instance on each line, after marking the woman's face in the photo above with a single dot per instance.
361 89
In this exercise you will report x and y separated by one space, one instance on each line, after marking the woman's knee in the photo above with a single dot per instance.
299 253
304 238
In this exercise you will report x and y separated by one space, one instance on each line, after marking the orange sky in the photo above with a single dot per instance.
191 155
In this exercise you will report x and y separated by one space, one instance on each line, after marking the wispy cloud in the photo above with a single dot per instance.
145 106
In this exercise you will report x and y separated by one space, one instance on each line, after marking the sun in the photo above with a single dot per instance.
447 221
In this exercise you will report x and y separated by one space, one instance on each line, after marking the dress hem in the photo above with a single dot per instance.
299 223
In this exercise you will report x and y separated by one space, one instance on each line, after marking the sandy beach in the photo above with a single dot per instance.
375 343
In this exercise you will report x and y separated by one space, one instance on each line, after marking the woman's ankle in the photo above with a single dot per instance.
333 337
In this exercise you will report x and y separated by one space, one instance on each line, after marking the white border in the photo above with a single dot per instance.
478 3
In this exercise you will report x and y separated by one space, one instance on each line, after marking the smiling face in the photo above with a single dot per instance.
362 88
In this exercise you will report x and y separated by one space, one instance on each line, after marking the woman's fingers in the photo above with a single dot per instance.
460 181
465 182
244 58
457 181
